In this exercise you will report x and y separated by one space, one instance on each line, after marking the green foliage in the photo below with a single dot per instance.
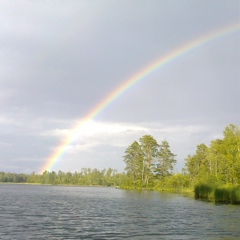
147 161
165 161
234 195
134 159
213 170
218 194
13 177
204 191
177 182
219 163
86 177
197 165
221 195
227 195
149 147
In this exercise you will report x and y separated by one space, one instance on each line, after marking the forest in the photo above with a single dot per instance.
149 165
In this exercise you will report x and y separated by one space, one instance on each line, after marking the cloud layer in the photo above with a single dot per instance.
59 60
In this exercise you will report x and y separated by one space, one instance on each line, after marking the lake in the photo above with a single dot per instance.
57 212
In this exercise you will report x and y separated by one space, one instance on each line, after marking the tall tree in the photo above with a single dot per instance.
166 160
149 148
198 165
217 162
134 162
231 143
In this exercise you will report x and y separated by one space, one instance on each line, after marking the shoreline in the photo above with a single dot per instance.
190 193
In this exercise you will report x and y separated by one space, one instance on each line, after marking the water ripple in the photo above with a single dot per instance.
54 212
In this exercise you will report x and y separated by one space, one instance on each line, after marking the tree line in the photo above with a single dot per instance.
86 177
149 165
218 163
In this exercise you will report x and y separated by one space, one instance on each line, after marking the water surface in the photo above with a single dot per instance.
57 212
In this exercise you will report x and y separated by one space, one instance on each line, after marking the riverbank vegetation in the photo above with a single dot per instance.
218 194
215 170
85 177
212 172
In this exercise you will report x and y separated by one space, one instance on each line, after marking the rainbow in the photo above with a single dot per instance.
130 82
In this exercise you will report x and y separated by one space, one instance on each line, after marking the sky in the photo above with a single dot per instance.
60 59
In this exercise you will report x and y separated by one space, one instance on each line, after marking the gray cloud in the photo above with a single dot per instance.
60 59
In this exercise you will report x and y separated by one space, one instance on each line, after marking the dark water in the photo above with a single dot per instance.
54 212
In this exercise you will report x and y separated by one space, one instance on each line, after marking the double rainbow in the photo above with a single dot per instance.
130 82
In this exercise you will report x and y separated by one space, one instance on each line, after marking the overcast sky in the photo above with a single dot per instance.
59 59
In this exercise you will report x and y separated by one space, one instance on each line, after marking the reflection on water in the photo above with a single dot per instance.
56 212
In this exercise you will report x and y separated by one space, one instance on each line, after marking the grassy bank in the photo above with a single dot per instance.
218 194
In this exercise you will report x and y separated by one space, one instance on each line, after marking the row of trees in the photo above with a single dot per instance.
218 163
13 177
86 177
150 165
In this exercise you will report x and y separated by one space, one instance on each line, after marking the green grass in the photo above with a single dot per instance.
203 191
218 194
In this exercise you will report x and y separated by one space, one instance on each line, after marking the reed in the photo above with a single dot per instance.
203 191
218 194
221 195
234 196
